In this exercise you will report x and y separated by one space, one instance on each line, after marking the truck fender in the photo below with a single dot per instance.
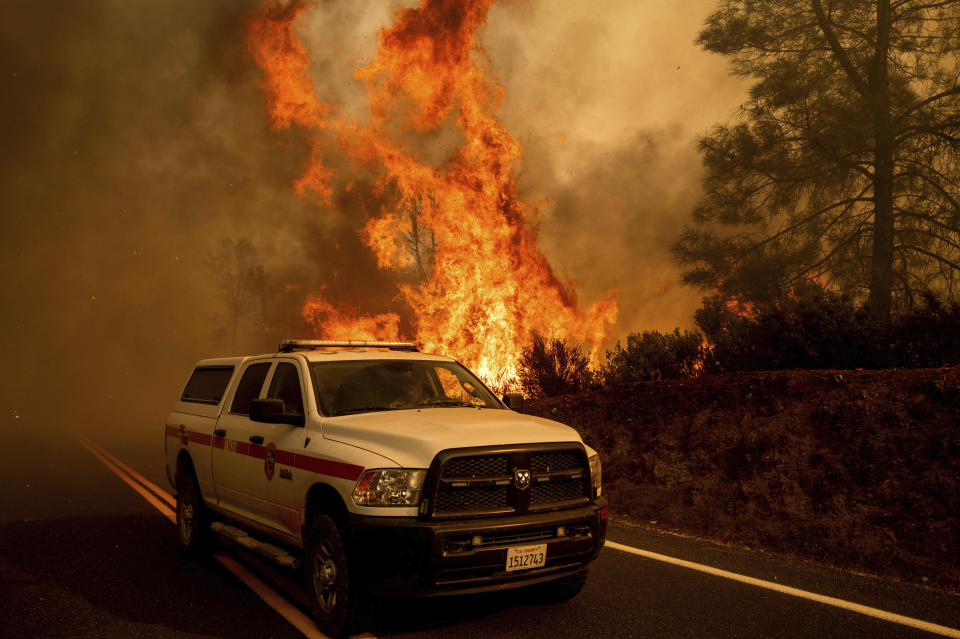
324 498
185 464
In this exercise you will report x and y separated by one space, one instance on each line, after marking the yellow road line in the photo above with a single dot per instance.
300 621
162 494
165 510
284 608
796 592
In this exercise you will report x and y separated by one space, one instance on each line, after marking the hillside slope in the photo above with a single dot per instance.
860 469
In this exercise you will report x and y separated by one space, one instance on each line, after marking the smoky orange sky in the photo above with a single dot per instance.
135 141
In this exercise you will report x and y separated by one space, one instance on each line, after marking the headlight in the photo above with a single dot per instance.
389 487
595 474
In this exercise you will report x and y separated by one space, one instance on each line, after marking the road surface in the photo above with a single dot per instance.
84 553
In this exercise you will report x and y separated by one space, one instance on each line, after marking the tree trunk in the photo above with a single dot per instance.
880 301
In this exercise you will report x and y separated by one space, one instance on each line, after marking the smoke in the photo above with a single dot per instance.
608 105
136 141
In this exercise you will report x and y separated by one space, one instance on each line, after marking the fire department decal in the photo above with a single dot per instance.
269 460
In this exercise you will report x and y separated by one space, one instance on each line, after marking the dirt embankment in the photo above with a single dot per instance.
860 469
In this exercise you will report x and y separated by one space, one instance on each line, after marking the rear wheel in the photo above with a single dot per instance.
192 520
334 595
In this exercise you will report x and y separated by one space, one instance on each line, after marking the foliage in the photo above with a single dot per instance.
843 166
554 368
654 355
817 329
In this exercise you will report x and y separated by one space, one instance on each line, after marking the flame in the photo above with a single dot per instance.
744 309
337 324
490 288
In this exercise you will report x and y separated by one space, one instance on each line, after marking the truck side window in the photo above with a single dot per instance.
286 386
249 387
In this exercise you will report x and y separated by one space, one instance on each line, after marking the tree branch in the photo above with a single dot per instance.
838 51
939 258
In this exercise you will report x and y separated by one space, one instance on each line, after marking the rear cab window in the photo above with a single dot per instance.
207 384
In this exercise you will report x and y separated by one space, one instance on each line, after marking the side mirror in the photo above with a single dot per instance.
514 401
268 411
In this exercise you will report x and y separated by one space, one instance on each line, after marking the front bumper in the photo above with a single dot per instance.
407 556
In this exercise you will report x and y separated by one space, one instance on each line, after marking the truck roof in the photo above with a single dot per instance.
325 350
328 355
332 354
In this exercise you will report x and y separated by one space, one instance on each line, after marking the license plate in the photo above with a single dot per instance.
526 557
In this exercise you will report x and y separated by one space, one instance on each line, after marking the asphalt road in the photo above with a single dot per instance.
84 555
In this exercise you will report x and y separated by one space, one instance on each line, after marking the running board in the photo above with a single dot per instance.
240 537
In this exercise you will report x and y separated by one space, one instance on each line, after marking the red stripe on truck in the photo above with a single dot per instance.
199 438
286 458
310 464
329 467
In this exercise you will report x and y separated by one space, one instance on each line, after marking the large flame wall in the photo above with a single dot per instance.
489 287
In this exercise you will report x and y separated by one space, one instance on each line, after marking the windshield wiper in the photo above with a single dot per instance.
447 402
363 409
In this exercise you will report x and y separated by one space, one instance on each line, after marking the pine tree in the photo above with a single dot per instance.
843 166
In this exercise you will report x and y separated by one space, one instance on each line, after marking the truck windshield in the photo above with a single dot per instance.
363 386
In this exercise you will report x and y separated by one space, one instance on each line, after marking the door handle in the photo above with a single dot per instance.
220 432
256 439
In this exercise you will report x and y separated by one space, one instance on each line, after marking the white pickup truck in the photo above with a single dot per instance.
379 469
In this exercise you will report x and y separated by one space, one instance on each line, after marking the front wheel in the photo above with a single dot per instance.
192 521
334 595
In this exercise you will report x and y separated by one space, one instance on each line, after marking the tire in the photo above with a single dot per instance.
192 519
562 589
334 595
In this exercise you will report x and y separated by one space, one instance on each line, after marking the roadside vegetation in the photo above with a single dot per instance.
814 330
856 469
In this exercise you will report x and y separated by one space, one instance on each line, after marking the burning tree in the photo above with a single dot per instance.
843 167
481 287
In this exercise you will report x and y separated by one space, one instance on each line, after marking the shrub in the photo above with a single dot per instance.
654 355
815 329
550 369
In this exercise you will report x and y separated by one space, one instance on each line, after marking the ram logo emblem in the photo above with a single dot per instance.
522 479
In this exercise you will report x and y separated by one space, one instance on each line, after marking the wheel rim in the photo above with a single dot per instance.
325 578
186 515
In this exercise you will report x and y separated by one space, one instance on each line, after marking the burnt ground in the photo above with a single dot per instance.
857 469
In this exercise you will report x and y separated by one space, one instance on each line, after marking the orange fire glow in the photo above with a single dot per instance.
489 287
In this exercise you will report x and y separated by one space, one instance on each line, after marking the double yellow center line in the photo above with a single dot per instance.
166 504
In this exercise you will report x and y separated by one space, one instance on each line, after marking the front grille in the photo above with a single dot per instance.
479 498
496 465
457 544
519 537
546 462
467 481
556 491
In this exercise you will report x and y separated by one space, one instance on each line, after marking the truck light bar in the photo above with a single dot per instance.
289 345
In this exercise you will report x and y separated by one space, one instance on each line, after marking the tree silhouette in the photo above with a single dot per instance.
240 281
842 167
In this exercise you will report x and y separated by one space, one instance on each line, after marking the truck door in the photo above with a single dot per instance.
278 488
236 467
